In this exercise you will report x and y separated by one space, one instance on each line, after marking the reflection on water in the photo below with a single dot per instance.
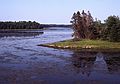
22 62
19 33
83 62
100 63
89 62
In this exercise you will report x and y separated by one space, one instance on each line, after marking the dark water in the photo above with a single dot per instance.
23 62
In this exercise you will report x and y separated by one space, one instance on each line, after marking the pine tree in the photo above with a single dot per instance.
112 31
83 25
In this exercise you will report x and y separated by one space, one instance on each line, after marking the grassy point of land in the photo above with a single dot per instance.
93 45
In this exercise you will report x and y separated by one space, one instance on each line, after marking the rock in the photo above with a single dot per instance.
88 47
66 47
51 45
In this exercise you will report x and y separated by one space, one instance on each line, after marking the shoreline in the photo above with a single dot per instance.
85 45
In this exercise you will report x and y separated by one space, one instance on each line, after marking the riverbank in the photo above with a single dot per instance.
89 45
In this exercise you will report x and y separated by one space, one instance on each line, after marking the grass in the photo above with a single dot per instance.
85 44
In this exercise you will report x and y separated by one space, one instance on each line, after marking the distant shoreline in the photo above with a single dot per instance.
28 25
55 25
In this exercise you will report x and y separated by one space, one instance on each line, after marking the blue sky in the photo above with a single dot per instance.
55 11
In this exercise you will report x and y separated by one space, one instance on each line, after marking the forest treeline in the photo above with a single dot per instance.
85 27
20 25
27 25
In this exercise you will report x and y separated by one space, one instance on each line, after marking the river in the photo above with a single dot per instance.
23 62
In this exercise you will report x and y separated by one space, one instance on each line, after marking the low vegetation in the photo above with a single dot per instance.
85 44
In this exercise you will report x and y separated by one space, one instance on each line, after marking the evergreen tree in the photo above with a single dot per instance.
83 26
112 31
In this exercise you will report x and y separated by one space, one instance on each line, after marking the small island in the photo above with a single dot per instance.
92 35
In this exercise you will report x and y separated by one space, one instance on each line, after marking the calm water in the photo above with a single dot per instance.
23 62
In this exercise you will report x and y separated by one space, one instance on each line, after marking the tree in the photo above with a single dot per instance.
112 30
76 21
83 26
99 27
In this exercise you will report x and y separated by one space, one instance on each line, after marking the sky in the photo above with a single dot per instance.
55 11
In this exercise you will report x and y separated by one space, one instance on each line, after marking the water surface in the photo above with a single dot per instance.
23 62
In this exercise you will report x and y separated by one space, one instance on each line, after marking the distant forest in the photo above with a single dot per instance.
20 25
27 25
